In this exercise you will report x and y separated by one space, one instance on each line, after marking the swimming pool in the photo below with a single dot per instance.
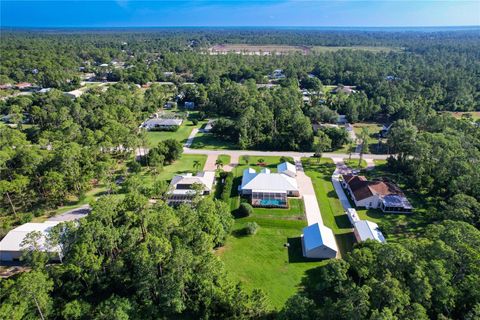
271 202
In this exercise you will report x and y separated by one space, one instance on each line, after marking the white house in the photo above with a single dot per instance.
182 190
11 248
383 195
267 189
162 124
364 230
318 242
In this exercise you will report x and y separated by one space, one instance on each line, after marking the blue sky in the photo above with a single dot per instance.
129 13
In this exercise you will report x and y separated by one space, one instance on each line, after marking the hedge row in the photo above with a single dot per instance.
227 177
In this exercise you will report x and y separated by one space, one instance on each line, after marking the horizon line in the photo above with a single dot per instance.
244 26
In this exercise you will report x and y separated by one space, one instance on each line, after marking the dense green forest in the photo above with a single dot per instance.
130 259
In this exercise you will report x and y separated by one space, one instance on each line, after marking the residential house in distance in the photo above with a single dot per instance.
267 189
182 186
6 86
189 105
11 248
162 124
367 230
277 74
23 85
319 242
383 195
208 127
344 89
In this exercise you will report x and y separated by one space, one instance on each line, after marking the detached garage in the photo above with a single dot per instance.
319 242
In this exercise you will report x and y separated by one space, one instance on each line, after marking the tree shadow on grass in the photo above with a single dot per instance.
240 233
342 221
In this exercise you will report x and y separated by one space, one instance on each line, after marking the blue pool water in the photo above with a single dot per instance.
271 202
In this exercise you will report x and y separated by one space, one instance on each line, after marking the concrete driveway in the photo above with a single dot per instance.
305 186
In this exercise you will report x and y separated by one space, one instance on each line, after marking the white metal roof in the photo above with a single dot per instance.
206 178
317 235
368 230
12 241
162 122
287 167
267 182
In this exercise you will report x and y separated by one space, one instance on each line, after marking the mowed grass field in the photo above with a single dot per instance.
183 165
209 141
321 49
248 48
262 261
154 137
475 115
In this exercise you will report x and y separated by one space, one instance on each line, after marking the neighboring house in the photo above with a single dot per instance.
277 74
365 230
162 124
169 105
344 89
266 189
318 242
11 248
383 195
342 119
385 130
6 86
182 186
23 85
189 105
74 93
44 90
208 127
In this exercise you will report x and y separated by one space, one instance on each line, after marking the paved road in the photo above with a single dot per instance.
237 153
73 214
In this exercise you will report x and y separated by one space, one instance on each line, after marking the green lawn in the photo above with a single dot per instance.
353 163
183 165
154 137
225 158
261 261
373 129
295 211
209 141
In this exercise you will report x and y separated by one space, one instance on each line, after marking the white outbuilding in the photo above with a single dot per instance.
11 248
365 230
319 242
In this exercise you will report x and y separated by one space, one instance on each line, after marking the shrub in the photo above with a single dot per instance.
245 209
134 166
251 228
227 186
195 122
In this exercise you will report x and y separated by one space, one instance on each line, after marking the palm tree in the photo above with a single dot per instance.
219 164
196 164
